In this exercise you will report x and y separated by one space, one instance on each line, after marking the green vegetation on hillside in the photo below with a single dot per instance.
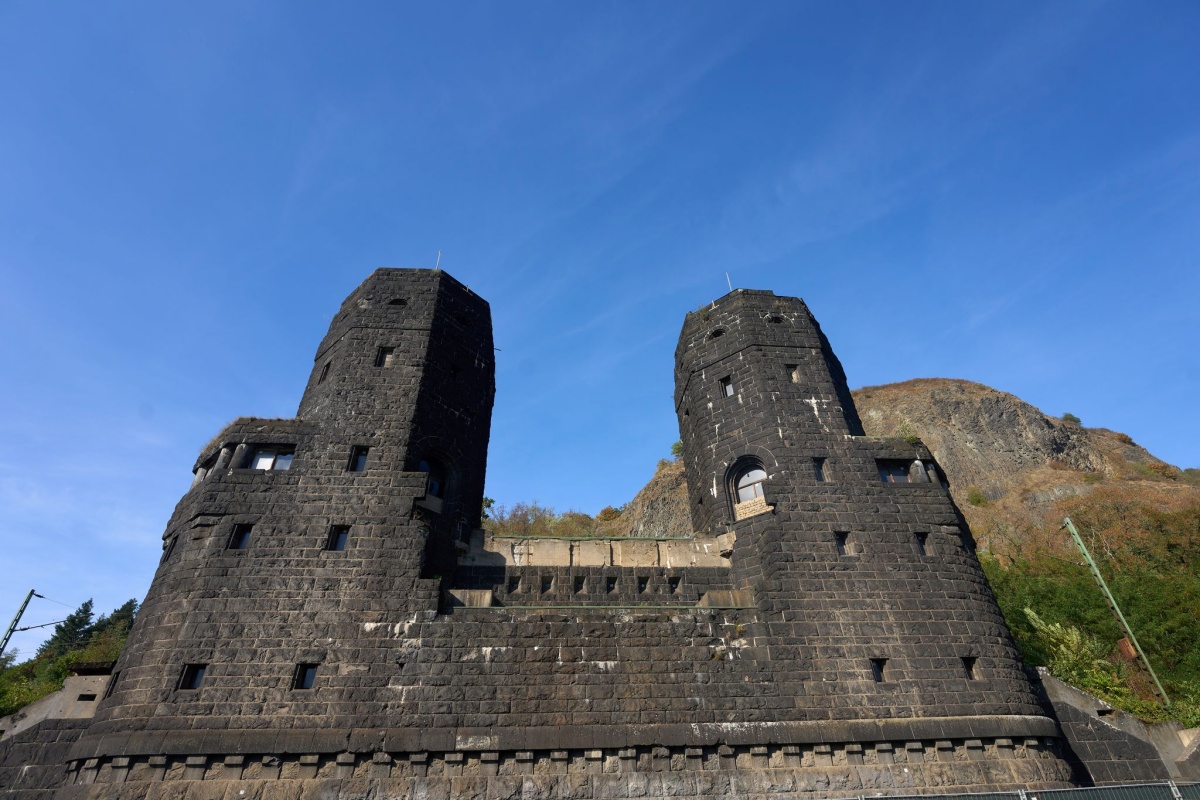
1150 559
79 639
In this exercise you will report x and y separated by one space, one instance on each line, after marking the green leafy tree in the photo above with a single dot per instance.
70 634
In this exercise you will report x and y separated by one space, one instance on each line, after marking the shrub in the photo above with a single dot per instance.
677 449
608 513
976 497
1071 418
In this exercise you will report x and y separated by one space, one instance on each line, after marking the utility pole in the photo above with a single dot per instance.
1112 603
16 620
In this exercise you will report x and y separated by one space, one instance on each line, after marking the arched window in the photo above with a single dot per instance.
750 484
746 484
435 484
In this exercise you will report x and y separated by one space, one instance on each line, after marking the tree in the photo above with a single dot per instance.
1069 417
70 634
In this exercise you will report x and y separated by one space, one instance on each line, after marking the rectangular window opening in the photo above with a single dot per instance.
793 371
270 458
547 583
385 357
514 585
305 676
87 698
240 538
673 584
726 386
338 535
580 584
893 470
819 469
1105 712
968 663
192 676
844 546
643 584
324 372
168 548
923 544
610 585
358 459
878 665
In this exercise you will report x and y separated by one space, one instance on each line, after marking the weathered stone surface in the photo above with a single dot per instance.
587 676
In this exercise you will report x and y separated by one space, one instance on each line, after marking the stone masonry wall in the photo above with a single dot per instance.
843 640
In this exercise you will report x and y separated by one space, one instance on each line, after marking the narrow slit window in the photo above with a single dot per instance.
305 676
385 357
168 548
878 669
112 684
819 469
339 535
968 663
580 584
793 371
324 372
192 676
358 459
923 544
673 584
726 386
240 538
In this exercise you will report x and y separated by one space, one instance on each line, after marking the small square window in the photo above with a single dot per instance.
240 538
305 676
726 386
793 371
819 469
968 663
385 357
923 544
270 457
338 534
324 372
192 676
358 459
878 666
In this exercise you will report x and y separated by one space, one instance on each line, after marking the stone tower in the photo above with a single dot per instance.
329 621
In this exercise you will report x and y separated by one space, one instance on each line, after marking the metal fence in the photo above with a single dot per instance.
1168 790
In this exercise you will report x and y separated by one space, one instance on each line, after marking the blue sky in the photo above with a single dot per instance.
1008 193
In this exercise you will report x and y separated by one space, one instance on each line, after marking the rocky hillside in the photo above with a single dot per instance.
1009 465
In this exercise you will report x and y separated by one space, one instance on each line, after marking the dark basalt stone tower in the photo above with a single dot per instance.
328 621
